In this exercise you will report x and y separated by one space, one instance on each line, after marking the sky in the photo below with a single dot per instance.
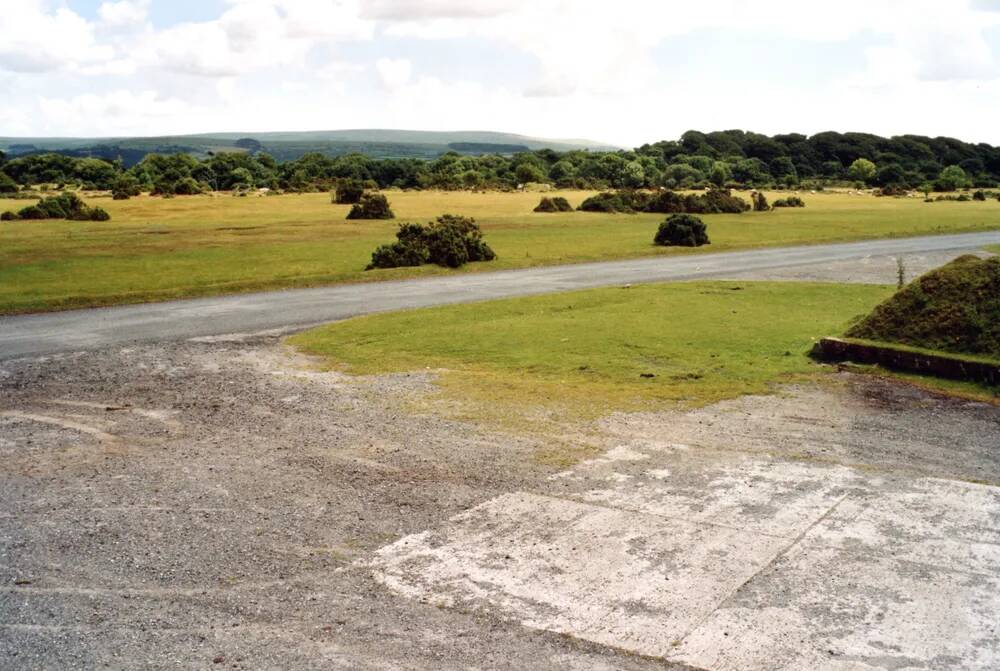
624 72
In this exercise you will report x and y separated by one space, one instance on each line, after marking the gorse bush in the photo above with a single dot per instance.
791 201
713 201
979 195
759 202
348 192
682 230
554 204
371 206
450 241
64 206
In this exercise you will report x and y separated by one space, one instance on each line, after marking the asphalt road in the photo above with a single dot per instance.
49 333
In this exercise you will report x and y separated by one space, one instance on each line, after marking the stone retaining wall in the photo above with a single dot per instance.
941 365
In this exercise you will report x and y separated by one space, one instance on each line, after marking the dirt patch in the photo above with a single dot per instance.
165 506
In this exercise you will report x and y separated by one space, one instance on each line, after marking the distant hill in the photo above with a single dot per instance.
284 146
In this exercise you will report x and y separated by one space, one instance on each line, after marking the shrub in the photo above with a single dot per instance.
791 201
759 202
8 216
99 214
32 212
64 206
348 192
554 204
682 230
187 186
979 195
7 185
449 241
371 206
124 187
716 201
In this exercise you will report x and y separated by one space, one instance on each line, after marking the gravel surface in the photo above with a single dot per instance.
213 504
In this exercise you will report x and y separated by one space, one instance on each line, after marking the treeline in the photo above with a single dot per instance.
732 159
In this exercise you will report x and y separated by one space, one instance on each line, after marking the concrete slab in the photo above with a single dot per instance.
623 579
726 561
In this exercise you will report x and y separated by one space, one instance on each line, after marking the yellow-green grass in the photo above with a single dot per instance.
583 354
156 249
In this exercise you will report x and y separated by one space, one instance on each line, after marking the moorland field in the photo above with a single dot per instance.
159 249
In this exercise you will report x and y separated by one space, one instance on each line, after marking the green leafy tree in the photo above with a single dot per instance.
952 178
862 170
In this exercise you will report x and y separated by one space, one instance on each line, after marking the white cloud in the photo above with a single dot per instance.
568 67
36 40
113 113
124 13
409 10
394 73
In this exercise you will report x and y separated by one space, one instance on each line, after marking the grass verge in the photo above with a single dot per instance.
548 360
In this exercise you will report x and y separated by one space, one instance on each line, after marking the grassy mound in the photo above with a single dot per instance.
955 308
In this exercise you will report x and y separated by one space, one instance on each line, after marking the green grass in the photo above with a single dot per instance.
155 249
584 354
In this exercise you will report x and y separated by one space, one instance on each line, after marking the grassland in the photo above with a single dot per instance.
155 249
584 354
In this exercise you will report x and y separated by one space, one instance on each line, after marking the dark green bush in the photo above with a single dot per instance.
554 204
64 206
8 216
628 201
979 195
32 212
348 192
187 186
759 202
7 185
371 206
449 241
791 201
682 230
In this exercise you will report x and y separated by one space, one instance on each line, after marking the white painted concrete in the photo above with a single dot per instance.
729 562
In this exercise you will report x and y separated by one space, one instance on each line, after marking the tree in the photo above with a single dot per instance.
529 172
7 185
862 170
348 192
952 178
682 230
721 173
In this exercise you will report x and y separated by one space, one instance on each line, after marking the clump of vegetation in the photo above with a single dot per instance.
713 201
64 206
628 201
759 202
682 230
450 241
894 190
979 195
955 308
371 206
554 204
124 187
348 192
960 198
791 201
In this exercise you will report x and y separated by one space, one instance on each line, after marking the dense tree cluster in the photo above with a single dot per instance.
733 158
450 241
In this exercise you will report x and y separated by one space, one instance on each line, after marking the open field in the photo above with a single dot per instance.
155 249
591 352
